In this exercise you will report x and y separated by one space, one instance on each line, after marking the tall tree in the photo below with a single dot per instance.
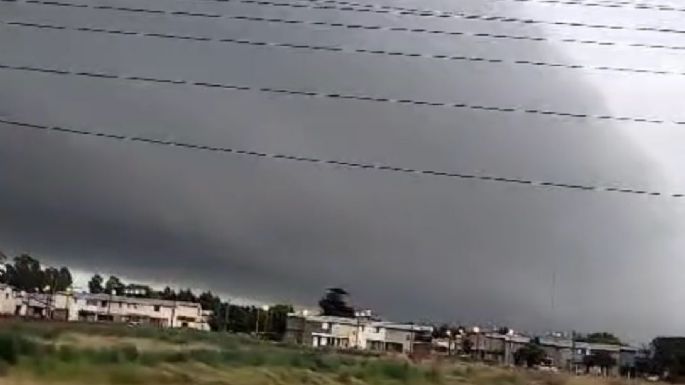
25 274
334 303
168 294
668 356
50 276
95 284
186 295
64 279
114 285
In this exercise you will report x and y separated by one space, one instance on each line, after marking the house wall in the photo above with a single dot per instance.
401 337
8 301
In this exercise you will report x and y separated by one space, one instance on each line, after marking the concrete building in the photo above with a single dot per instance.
112 308
360 332
496 347
87 307
566 354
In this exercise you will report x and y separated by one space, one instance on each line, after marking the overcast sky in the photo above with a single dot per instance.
408 246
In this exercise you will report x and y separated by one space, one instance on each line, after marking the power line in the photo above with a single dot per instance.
484 35
348 6
617 4
475 59
339 96
346 164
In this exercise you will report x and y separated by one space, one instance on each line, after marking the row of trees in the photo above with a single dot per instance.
269 321
27 274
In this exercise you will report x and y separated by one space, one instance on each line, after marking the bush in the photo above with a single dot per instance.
8 349
67 353
129 352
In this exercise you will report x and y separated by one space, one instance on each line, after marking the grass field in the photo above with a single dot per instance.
75 354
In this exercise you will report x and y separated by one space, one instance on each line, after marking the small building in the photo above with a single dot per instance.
496 347
360 332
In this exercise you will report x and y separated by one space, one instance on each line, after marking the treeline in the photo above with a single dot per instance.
26 273
269 322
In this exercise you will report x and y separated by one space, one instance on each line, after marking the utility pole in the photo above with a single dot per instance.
256 327
226 318
572 367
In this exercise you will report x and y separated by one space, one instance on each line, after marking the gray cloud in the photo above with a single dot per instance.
408 246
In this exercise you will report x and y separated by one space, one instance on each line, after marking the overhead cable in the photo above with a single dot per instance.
341 96
615 5
316 23
352 6
340 163
393 53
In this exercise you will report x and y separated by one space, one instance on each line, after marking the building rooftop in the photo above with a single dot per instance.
142 301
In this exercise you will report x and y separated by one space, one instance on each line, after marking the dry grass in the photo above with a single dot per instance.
88 341
96 355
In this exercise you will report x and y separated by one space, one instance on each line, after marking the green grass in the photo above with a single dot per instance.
43 351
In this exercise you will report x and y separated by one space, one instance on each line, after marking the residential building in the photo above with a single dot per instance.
8 301
87 307
496 347
156 312
360 332
567 354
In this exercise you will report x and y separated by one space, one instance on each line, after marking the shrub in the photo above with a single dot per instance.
67 353
8 348
129 352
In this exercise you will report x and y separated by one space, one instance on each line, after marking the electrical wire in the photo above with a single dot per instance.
349 6
316 23
614 5
341 96
340 163
474 59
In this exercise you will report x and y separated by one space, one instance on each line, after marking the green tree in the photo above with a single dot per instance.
95 284
278 318
668 356
334 303
168 294
64 279
114 285
600 338
25 274
530 355
186 295
599 358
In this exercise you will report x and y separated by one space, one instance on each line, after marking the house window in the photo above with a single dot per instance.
120 305
378 330
324 326
103 303
91 302
7 295
156 307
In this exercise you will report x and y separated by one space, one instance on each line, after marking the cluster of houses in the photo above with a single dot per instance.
86 307
363 332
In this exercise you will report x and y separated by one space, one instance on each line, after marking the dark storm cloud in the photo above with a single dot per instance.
408 246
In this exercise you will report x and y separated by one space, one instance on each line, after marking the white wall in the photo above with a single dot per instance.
8 301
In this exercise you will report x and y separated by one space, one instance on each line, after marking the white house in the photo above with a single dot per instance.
357 333
156 312
87 307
